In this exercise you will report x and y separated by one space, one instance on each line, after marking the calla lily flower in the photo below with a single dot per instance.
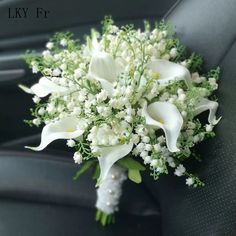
44 87
66 128
104 69
206 104
166 116
167 71
110 155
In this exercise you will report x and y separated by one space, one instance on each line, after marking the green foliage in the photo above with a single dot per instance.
72 44
133 167
96 172
29 123
135 176
164 26
196 180
30 55
84 168
129 163
214 73
107 22
181 55
84 149
195 62
104 218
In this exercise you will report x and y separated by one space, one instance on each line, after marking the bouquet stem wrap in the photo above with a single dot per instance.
110 190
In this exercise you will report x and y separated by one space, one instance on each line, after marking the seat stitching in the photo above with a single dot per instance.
168 13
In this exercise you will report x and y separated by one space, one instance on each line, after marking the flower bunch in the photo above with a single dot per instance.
124 100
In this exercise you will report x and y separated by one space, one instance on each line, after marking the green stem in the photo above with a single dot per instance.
104 219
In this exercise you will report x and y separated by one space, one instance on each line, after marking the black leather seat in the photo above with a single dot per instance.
206 27
39 198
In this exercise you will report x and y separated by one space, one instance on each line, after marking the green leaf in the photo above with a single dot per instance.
96 172
134 175
84 168
129 163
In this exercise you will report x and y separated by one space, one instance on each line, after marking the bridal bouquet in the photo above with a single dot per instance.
126 101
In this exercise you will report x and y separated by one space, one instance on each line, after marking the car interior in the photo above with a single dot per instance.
38 195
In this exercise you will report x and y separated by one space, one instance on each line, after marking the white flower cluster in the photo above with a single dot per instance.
124 93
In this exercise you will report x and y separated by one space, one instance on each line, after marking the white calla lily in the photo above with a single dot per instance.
25 89
104 69
44 87
166 116
167 71
66 128
205 104
110 155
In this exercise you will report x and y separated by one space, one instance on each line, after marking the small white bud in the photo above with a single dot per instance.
41 111
148 147
184 113
146 139
63 42
36 122
49 45
189 181
209 128
77 73
147 160
173 52
70 143
144 154
78 157
196 139
154 163
179 171
157 147
36 99
182 97
56 72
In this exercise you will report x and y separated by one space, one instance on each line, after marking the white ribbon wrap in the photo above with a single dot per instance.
110 190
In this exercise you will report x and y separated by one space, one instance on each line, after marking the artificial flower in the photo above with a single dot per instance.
66 128
205 104
166 116
167 71
44 87
110 155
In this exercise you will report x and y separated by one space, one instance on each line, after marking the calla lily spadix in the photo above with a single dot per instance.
169 71
66 128
110 155
166 116
44 87
206 104
104 69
